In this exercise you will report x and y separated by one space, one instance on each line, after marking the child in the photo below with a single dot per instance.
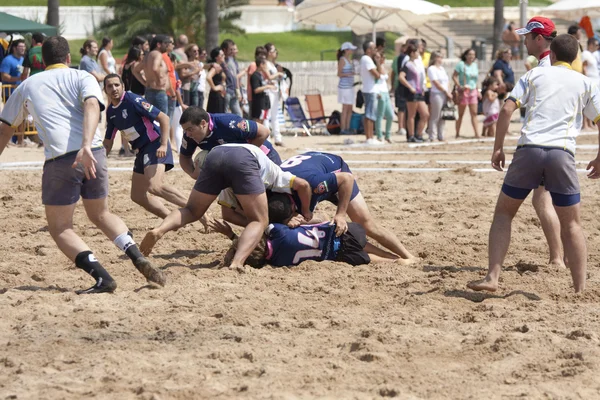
491 105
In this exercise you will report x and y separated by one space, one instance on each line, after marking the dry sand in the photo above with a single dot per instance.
319 330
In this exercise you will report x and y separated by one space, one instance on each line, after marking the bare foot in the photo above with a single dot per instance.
407 261
151 273
148 243
559 264
484 284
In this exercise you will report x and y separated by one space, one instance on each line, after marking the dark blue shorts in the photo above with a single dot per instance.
355 190
146 156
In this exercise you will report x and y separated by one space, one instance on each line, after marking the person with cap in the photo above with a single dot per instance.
539 33
345 72
557 98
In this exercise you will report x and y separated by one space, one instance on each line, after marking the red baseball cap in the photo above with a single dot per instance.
540 25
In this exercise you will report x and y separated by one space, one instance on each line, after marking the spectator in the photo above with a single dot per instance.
259 51
216 81
577 64
33 62
369 75
202 78
88 63
440 95
590 69
400 99
105 57
133 81
231 68
412 77
260 100
190 84
380 45
141 43
345 71
275 76
12 65
156 74
491 105
511 39
172 91
502 69
384 104
465 79
425 58
179 50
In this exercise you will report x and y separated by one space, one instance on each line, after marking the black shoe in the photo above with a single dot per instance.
104 287
151 273
418 139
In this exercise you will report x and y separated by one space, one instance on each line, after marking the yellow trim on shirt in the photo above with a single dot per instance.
556 64
225 204
56 66
597 119
294 177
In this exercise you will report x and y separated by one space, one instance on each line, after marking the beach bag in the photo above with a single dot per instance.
334 124
449 112
360 99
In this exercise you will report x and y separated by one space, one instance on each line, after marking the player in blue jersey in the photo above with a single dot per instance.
147 130
283 246
324 172
210 130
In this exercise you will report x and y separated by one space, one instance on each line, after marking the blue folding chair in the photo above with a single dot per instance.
298 118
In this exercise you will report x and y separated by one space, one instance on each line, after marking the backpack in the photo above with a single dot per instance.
334 126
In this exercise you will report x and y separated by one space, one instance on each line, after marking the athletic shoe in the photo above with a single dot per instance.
102 288
412 139
389 140
402 132
418 139
151 273
373 142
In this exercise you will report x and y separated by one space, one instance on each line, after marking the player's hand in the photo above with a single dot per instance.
308 216
498 159
85 157
341 226
161 152
594 165
221 227
295 221
206 221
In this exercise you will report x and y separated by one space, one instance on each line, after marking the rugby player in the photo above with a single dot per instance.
539 33
246 170
65 104
282 246
147 130
330 179
210 130
545 151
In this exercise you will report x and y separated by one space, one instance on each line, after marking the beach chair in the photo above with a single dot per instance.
297 117
314 104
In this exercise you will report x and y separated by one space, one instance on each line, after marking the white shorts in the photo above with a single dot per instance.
346 96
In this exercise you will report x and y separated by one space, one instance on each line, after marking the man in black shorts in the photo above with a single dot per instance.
224 167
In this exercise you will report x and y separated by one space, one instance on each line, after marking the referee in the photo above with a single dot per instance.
65 104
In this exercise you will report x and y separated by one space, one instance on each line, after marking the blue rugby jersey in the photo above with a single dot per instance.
228 128
135 117
290 246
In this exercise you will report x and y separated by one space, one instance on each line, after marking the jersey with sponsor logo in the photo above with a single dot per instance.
135 118
290 246
319 170
228 128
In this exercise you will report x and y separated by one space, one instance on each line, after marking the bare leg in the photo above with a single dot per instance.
574 243
411 110
473 112
256 209
542 202
60 227
233 216
155 175
499 240
369 127
97 211
139 194
401 117
359 212
195 209
423 117
461 113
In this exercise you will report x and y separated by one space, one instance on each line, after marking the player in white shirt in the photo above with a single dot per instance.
546 150
65 105
539 33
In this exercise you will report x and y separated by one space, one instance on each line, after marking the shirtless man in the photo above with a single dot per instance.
157 77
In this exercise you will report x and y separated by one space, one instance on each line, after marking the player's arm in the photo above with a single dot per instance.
506 113
163 120
592 111
6 132
11 117
262 133
91 116
187 165
304 191
345 184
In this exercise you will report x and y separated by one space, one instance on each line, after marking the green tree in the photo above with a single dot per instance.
498 25
170 17
52 17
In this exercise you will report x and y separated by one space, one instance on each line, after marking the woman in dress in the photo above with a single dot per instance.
216 81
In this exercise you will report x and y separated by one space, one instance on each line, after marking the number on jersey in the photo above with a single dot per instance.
311 239
293 161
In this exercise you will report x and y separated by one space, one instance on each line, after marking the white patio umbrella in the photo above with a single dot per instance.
365 16
573 9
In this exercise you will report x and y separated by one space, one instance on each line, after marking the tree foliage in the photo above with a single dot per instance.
171 17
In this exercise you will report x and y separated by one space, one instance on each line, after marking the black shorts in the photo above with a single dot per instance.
146 156
414 97
352 246
333 198
400 98
427 97
230 166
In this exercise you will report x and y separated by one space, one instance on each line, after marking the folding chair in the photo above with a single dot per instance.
297 116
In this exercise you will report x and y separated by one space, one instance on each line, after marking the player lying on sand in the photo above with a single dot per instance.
147 130
248 172
282 246
545 151
330 179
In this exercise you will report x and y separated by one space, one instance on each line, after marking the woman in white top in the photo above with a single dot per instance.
274 96
384 104
105 59
345 72
439 96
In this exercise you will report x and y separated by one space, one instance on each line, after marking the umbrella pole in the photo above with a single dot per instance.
374 32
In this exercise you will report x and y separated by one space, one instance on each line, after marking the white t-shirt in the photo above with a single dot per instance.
110 61
545 62
55 101
368 80
560 96
381 84
202 80
274 178
438 74
592 65
272 71
597 57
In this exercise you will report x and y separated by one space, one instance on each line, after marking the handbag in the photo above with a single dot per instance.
449 111
360 99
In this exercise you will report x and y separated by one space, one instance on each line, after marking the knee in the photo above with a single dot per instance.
155 190
426 115
98 218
